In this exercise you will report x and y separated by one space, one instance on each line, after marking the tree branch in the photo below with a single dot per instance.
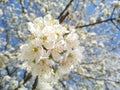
35 83
62 18
94 78
115 25
113 12
99 22
62 83
27 78
111 19
22 6
67 6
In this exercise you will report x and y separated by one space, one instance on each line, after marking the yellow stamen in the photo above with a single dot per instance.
35 49
70 55
51 21
44 38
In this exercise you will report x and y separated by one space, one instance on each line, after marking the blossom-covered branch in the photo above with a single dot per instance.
98 22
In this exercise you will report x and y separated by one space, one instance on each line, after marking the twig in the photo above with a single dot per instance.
62 83
27 78
106 87
94 78
62 18
22 6
84 63
7 70
7 39
67 6
107 20
111 19
24 74
23 82
35 83
12 72
115 25
113 12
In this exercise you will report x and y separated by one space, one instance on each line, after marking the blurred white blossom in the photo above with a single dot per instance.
1 12
116 3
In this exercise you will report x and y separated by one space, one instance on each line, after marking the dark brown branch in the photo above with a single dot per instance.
7 70
22 6
62 18
7 39
27 78
99 22
94 78
62 83
25 74
113 12
84 63
10 73
67 6
106 87
13 71
115 25
35 83
111 19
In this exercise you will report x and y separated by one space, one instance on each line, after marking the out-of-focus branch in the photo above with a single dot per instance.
98 22
61 14
111 19
35 83
93 3
27 78
11 73
7 39
113 12
62 18
116 20
22 6
83 63
115 25
62 83
94 78
7 70
106 87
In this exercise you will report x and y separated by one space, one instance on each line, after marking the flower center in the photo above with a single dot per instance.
51 21
70 55
35 49
44 38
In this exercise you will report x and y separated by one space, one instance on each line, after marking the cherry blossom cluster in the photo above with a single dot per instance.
53 50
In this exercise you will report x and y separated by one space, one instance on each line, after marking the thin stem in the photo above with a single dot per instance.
115 25
10 73
113 12
7 70
35 83
62 18
67 6
13 71
99 22
94 78
62 83
27 78
22 6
